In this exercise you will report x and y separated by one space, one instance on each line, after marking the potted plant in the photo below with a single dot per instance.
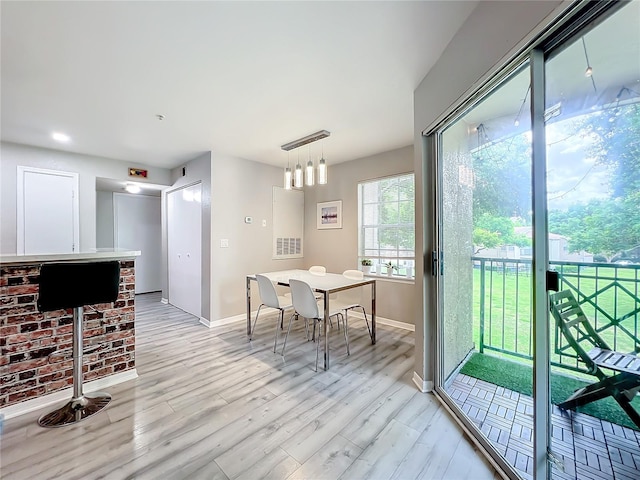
366 265
408 269
390 268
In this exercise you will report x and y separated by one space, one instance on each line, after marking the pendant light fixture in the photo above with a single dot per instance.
309 180
309 176
297 178
322 169
287 175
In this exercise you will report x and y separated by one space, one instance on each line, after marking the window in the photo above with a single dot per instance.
386 222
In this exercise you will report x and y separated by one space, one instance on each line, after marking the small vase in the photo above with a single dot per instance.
366 269
409 272
389 272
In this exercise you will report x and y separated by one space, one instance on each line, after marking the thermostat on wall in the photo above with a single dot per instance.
248 219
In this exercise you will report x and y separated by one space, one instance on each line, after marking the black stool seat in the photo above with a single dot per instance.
74 285
71 285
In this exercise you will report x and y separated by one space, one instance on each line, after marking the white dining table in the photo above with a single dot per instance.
326 284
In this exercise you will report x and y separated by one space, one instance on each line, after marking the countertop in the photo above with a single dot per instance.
88 255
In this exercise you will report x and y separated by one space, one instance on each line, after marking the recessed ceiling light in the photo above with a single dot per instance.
132 188
60 137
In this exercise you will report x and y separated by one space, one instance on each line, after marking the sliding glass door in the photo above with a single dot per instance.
538 184
593 183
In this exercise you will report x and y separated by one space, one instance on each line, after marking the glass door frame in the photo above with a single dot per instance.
576 20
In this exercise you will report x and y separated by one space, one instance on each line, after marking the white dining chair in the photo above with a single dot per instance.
270 299
314 270
353 275
305 305
317 270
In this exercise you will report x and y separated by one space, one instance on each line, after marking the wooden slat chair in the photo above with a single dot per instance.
623 386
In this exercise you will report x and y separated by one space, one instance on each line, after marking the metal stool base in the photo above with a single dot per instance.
76 410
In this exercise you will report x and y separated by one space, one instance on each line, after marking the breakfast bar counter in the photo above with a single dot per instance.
35 348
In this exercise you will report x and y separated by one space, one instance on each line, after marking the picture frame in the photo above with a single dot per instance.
329 215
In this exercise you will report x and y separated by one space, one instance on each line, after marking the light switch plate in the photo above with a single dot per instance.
264 223
248 219
224 243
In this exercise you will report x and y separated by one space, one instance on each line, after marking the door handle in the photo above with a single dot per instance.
553 280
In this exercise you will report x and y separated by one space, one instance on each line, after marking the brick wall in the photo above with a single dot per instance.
36 347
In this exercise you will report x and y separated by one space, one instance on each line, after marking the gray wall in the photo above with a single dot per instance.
104 219
241 188
492 34
86 166
337 249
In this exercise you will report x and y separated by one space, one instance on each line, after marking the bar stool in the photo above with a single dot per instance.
74 285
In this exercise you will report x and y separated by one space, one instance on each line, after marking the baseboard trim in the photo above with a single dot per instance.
425 386
60 396
395 323
164 301
227 320
243 317
385 321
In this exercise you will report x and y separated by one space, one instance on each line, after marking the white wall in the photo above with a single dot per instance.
492 34
337 249
86 166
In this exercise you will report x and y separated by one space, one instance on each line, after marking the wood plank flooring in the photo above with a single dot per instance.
209 404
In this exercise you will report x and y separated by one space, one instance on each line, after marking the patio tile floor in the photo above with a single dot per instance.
589 448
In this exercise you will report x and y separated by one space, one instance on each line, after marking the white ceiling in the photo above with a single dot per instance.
236 78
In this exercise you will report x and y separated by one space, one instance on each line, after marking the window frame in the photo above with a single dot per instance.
403 270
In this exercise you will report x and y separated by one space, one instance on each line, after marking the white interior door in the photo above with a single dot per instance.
184 227
48 216
137 227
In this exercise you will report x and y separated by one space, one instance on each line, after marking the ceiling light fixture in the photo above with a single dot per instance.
60 137
310 169
132 188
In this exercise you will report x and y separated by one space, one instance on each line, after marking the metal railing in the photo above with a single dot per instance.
608 293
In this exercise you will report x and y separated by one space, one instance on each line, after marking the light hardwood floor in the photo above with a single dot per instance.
209 404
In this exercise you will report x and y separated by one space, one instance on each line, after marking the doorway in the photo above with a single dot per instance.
137 226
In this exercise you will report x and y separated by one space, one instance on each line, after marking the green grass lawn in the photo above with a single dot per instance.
507 315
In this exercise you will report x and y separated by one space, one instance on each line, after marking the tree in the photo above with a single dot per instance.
490 232
609 226
502 178
616 135
602 227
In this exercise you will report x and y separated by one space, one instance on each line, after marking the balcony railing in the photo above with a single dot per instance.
608 293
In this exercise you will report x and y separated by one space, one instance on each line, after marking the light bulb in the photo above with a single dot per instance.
309 176
322 172
287 178
588 72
